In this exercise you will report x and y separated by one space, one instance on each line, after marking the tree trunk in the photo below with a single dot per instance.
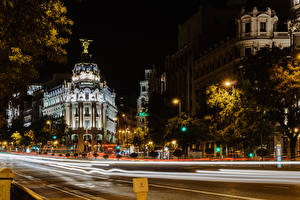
293 142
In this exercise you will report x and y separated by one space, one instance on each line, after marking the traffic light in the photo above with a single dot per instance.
183 129
118 147
251 155
218 149
54 137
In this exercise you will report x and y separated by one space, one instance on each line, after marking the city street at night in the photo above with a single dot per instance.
56 178
150 100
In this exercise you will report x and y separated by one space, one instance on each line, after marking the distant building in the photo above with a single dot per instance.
142 101
195 64
126 119
206 27
28 109
83 100
255 30
86 103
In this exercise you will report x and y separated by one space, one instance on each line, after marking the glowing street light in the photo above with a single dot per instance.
48 122
227 83
175 102
150 143
174 142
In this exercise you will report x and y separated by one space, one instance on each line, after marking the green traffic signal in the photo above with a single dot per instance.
251 155
183 129
218 149
118 147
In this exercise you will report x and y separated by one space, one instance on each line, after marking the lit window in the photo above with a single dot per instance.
87 124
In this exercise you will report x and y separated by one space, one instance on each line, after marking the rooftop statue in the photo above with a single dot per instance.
85 44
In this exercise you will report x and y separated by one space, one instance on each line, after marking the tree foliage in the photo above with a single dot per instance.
274 78
196 130
138 138
31 32
236 116
17 137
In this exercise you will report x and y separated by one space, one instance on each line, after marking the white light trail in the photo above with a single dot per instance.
80 168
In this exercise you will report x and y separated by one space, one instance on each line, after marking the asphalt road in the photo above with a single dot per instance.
69 179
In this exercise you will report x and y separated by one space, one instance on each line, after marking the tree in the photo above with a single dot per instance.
225 104
286 79
31 32
42 130
274 76
17 137
138 138
195 130
237 118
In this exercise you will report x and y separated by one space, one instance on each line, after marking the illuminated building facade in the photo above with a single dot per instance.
86 103
142 101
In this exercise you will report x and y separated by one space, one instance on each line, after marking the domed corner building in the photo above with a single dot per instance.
86 103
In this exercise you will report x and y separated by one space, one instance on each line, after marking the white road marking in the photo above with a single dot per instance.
204 192
196 191
73 192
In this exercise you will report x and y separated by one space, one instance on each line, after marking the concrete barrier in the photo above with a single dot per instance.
6 178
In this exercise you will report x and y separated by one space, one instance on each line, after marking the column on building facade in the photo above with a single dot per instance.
94 113
92 116
80 105
104 116
67 113
70 115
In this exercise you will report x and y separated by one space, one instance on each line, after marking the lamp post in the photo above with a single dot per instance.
175 102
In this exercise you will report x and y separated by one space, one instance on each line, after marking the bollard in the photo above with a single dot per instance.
6 177
140 187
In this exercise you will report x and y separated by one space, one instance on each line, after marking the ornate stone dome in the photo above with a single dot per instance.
87 70
86 67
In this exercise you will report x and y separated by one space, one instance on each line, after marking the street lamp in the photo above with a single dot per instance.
175 102
228 83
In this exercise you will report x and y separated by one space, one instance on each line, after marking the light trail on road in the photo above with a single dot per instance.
223 175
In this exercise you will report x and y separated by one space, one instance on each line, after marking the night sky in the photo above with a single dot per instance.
131 35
